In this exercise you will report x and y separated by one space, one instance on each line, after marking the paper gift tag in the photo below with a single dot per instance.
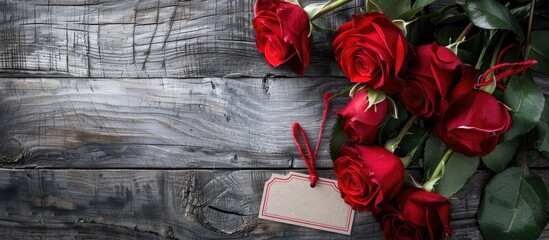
290 199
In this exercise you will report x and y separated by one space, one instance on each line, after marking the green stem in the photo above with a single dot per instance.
344 91
480 57
495 55
439 11
499 44
529 33
393 143
442 163
330 7
464 32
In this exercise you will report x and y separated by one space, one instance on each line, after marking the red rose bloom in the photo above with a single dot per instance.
431 74
282 33
371 49
361 125
419 215
368 176
473 124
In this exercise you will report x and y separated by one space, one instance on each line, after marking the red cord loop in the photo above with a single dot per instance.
309 158
514 68
510 69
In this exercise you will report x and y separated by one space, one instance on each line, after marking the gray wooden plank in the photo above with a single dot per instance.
142 38
160 123
174 204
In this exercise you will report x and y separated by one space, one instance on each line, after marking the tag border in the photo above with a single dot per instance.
316 225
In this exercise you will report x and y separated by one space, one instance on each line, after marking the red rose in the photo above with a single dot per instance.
429 79
371 49
368 176
282 33
360 124
473 124
419 215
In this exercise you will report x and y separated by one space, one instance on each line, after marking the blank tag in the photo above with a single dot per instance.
290 199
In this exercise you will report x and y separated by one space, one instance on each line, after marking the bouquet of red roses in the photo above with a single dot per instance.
456 95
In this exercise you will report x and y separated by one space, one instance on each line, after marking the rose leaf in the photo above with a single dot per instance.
434 149
422 3
411 144
545 113
540 51
337 138
392 8
390 126
489 14
458 170
500 157
514 206
526 102
542 144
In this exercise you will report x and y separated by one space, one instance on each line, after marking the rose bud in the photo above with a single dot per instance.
372 50
430 76
368 176
361 123
418 215
472 125
282 33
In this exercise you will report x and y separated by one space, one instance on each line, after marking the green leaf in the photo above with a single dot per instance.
337 138
526 102
412 142
542 144
489 14
371 7
410 13
500 157
542 128
415 9
514 206
314 8
540 51
392 8
434 149
447 34
390 126
545 113
457 171
521 11
422 3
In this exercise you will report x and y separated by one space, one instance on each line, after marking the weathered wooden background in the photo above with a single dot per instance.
158 119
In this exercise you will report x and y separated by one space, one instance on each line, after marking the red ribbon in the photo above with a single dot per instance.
512 69
310 158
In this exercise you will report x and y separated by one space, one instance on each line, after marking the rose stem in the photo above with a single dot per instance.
392 143
329 8
344 91
529 33
464 32
442 163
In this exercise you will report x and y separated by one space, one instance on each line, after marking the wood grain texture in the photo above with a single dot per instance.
175 204
160 123
158 119
142 38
